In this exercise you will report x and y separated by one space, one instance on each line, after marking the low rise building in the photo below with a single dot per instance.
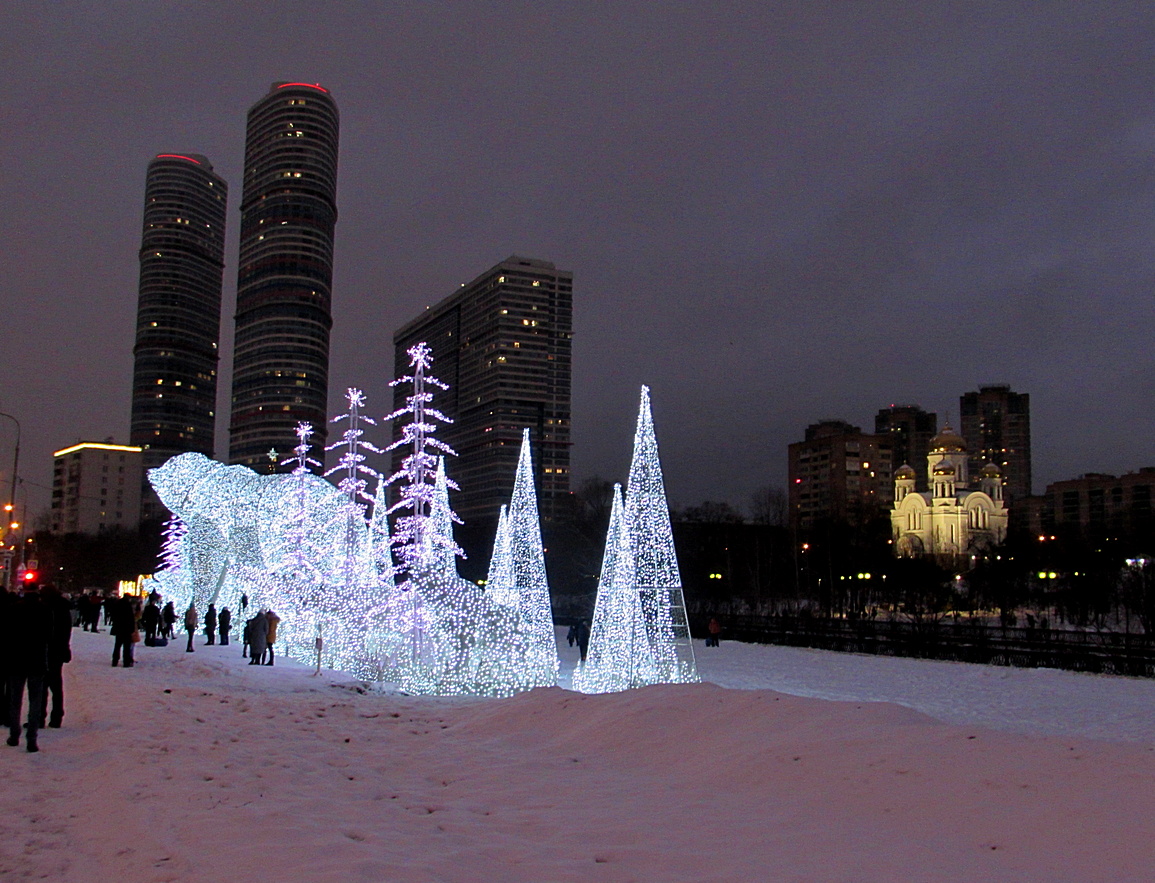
96 486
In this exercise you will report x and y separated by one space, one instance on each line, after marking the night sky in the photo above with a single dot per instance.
773 216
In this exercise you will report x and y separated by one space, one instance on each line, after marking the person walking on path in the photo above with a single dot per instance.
123 629
224 624
211 624
272 620
59 652
24 643
190 624
258 636
168 620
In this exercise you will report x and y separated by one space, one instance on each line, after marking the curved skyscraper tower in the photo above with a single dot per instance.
288 212
174 384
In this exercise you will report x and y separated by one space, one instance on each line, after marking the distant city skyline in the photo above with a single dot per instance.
776 214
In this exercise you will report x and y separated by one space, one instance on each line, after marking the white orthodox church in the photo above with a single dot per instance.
953 518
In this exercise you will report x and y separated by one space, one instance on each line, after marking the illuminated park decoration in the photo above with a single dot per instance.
640 633
389 605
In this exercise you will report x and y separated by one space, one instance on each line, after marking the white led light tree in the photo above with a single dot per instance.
655 561
620 655
641 552
530 582
499 582
411 536
443 635
170 578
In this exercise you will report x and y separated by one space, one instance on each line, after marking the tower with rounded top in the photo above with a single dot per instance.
285 273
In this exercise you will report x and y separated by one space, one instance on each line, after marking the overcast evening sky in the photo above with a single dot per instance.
774 213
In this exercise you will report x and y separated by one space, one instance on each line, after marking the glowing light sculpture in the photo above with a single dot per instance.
442 635
620 655
499 582
667 654
170 578
531 585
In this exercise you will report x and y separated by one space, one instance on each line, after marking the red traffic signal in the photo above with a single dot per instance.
30 576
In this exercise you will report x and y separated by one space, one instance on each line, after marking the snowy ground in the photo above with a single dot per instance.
197 767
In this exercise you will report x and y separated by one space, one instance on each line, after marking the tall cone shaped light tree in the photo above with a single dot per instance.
655 563
619 651
530 582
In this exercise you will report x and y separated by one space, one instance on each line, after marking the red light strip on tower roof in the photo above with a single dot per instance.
177 156
306 85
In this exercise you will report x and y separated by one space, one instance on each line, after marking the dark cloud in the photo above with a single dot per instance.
773 215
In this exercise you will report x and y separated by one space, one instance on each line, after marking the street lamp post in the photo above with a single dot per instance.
12 492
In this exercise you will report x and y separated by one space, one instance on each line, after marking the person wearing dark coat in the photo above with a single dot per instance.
7 611
190 624
59 652
109 602
258 636
123 627
150 619
224 624
211 624
168 620
25 649
583 639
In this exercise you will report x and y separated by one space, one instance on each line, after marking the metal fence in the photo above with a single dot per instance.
1074 650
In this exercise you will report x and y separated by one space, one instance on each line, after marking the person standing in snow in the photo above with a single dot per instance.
583 638
224 623
272 620
168 620
258 636
715 629
123 629
59 652
25 649
190 624
211 624
150 619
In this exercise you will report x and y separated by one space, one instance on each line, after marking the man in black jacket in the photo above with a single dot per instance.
123 626
25 648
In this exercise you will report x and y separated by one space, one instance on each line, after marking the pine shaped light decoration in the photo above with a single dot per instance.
640 634
619 651
655 561
530 582
355 577
499 583
411 535
171 578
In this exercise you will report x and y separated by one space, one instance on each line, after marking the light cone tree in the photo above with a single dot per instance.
499 582
530 581
655 562
620 656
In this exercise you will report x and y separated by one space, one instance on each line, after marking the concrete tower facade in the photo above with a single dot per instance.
285 273
503 344
996 425
174 384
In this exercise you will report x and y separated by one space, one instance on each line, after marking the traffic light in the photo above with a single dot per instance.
30 576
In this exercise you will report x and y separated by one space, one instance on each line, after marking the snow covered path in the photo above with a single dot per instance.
196 767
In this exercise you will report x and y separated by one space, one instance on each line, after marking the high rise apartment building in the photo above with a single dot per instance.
996 425
910 430
838 472
502 343
174 384
285 272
